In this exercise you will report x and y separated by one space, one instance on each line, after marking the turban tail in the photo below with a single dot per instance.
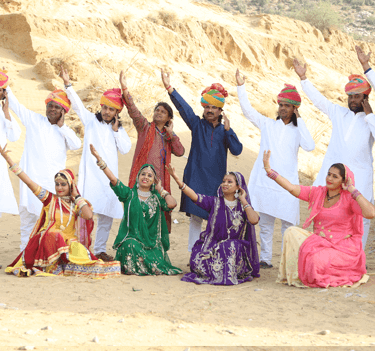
214 95
113 98
60 97
290 95
357 85
3 79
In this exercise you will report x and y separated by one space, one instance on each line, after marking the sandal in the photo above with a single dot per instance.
104 257
265 265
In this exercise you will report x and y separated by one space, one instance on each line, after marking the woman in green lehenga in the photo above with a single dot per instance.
143 239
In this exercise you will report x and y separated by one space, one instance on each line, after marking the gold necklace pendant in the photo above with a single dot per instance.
62 227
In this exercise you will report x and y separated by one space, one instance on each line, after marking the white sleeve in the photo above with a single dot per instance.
249 112
370 119
12 129
122 139
371 77
24 114
319 101
72 141
307 142
79 108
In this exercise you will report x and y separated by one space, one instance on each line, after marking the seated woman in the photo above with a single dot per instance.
226 253
332 255
59 243
143 239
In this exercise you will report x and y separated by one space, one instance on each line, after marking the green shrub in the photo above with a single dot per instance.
370 20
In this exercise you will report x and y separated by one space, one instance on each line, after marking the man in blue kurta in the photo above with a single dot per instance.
207 162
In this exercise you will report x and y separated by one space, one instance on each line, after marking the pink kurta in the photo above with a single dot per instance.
326 258
155 156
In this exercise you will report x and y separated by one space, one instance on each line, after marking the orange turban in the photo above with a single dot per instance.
113 98
60 97
3 79
357 85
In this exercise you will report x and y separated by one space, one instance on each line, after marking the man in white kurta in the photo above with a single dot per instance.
9 130
93 184
47 141
351 140
284 140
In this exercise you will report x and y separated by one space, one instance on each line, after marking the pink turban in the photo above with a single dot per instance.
59 96
357 85
113 98
3 79
290 95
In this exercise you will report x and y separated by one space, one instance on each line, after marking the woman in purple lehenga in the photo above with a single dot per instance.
226 252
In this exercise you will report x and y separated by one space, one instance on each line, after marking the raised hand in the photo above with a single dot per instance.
226 121
5 106
169 128
123 82
240 80
266 160
64 75
115 124
300 70
166 79
158 186
4 151
241 194
363 58
74 192
366 107
348 184
296 112
171 171
94 152
61 120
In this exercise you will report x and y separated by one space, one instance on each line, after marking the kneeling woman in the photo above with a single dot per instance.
59 243
332 255
226 252
143 239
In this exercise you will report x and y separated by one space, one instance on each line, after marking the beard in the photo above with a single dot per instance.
356 108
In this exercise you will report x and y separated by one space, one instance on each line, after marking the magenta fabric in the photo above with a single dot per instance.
326 258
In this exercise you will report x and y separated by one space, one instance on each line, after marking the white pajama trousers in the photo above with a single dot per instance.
266 224
102 233
366 229
28 221
195 230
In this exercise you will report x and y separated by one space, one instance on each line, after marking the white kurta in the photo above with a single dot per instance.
92 182
283 141
44 151
8 130
351 140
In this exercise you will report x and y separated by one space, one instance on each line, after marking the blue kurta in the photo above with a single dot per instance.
207 163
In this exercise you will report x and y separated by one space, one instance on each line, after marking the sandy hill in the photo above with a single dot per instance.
199 43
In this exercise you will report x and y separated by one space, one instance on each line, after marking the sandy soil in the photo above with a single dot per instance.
130 312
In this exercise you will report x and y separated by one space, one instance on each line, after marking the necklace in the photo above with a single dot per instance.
331 197
144 193
61 215
230 204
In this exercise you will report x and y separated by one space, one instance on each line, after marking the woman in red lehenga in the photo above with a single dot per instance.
331 255
59 243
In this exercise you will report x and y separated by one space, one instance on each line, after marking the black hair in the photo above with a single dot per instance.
294 119
341 168
166 106
61 175
99 117
234 175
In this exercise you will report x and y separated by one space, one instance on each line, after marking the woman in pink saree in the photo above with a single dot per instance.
331 255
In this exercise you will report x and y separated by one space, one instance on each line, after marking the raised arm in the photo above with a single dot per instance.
186 112
177 148
79 108
169 199
251 215
103 166
294 189
12 129
319 101
17 170
139 121
231 139
257 119
363 58
184 188
25 115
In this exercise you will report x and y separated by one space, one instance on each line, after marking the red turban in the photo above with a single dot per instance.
113 98
290 95
60 97
357 85
3 79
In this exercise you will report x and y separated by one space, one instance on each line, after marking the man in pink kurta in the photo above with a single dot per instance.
156 140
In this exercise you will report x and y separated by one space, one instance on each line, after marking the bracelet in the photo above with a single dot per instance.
77 197
81 202
355 194
16 169
246 206
164 193
68 86
272 174
183 186
169 87
102 165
